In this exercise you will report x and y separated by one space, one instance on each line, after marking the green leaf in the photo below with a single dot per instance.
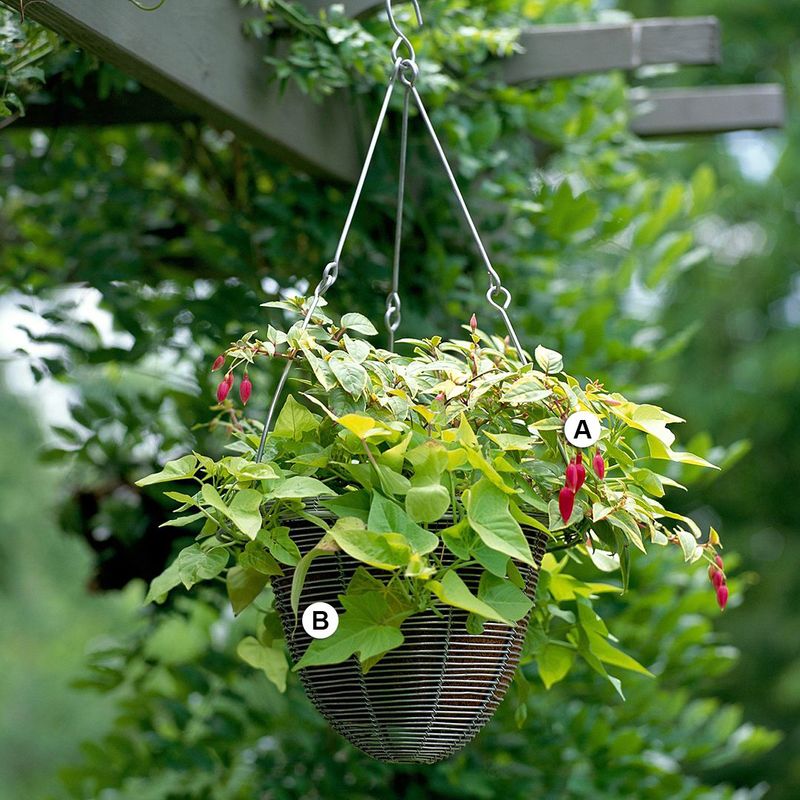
527 389
358 323
507 599
272 660
382 550
300 486
427 503
243 585
550 361
490 517
386 516
350 504
351 638
452 591
245 511
196 564
255 557
323 548
512 441
626 523
608 654
352 377
178 470
162 584
554 662
280 545
294 421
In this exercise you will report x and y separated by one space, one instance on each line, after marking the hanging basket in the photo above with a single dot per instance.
427 698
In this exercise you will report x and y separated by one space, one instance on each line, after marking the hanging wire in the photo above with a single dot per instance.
406 70
393 315
331 271
495 283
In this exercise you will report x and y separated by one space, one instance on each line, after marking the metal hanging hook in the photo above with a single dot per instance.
401 37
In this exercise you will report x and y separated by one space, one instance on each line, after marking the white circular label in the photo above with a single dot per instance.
582 429
320 620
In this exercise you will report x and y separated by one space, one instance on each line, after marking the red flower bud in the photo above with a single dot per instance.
218 362
718 559
599 465
571 478
722 596
440 397
581 470
718 579
245 389
566 502
579 457
473 323
224 388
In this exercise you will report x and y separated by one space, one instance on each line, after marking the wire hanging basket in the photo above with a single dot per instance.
427 698
424 700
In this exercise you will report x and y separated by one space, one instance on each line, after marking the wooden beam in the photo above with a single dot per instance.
665 112
557 51
194 53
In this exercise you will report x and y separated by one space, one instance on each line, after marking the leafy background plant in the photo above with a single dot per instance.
219 229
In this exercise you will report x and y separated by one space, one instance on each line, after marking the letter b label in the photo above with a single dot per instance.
320 620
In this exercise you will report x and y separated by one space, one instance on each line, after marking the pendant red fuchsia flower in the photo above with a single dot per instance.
224 388
245 389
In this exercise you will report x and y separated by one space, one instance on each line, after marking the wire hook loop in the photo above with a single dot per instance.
402 39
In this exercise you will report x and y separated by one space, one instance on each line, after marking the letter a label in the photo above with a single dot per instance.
582 429
320 620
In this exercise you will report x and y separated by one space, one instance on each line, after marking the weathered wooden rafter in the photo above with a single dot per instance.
193 53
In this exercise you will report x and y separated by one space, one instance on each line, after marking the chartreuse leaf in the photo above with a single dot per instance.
382 550
294 421
271 659
427 500
660 450
650 419
178 470
388 517
490 516
245 511
512 441
554 661
325 546
301 486
452 591
243 586
503 596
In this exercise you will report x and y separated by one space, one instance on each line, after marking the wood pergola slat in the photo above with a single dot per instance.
716 109
194 53
558 51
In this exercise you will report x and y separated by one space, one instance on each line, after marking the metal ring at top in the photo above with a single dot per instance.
408 70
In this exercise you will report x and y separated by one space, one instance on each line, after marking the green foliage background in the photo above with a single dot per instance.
616 254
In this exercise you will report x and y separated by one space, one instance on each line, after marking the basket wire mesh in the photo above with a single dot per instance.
427 698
